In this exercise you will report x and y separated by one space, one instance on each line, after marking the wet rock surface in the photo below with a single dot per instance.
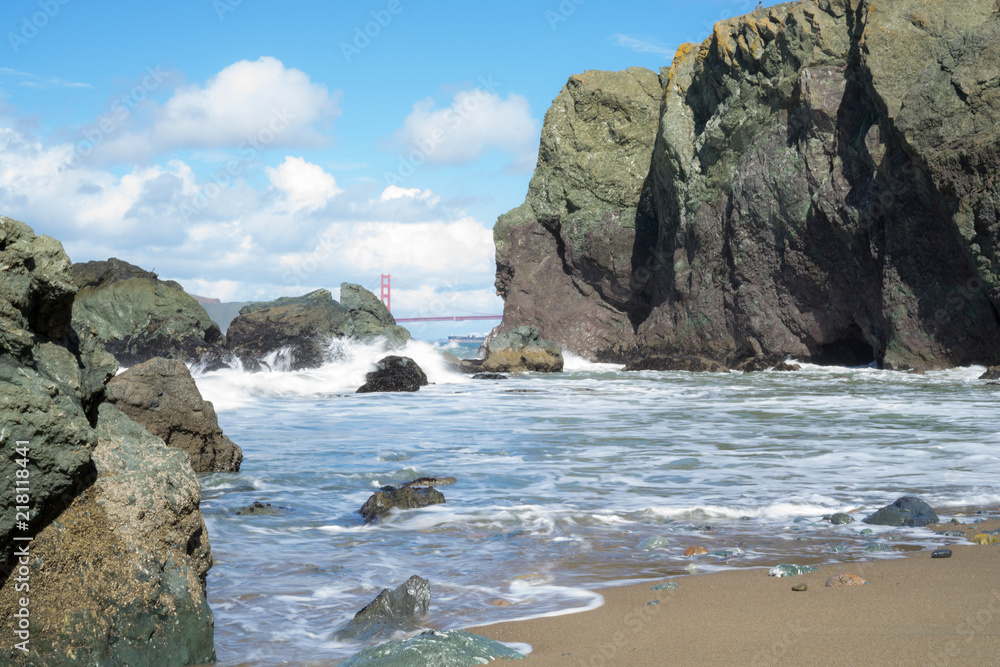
412 495
687 362
161 395
806 188
907 511
454 648
396 609
522 349
394 373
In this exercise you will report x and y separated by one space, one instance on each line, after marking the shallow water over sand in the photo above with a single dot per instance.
560 478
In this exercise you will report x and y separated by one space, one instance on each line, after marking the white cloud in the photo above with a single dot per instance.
475 122
305 185
395 192
29 80
641 45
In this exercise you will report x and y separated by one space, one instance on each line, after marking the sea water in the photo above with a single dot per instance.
565 483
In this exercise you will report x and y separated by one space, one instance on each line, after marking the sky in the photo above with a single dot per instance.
252 149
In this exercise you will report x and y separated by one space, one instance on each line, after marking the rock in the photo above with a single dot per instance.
652 543
985 539
941 553
301 328
789 570
992 373
760 198
784 366
695 551
394 374
666 586
406 496
489 376
685 362
120 552
876 547
392 610
906 511
800 587
841 518
522 349
259 508
846 579
499 602
454 648
161 395
138 316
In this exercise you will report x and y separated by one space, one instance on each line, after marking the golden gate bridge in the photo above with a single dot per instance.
386 296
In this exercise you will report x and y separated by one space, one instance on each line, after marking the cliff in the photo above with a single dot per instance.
820 180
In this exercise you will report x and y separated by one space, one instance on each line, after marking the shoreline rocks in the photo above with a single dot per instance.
394 373
161 395
411 495
683 362
519 350
391 610
907 511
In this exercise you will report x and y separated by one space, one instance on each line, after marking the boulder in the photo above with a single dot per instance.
907 511
519 350
119 552
796 185
411 495
992 373
391 610
679 362
161 395
298 330
454 648
138 316
784 366
394 373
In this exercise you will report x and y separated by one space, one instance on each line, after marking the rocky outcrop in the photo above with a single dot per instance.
519 350
161 395
394 373
435 647
906 511
678 362
992 373
822 184
138 316
119 552
391 610
411 495
302 327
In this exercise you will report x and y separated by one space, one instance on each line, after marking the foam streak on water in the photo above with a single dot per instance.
560 477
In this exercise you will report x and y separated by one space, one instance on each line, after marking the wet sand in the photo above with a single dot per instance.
914 610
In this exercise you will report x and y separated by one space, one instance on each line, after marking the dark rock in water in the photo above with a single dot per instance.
392 610
402 497
454 648
941 553
394 374
522 349
907 511
679 362
120 551
785 366
161 395
992 373
304 326
138 316
754 198
489 376
841 518
257 507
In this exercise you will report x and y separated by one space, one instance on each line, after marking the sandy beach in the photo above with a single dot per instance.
914 610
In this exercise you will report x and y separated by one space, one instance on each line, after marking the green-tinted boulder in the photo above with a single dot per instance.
454 648
139 316
522 349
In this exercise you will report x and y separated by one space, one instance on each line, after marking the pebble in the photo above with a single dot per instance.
986 538
499 602
800 587
653 602
953 533
670 585
846 579
941 553
654 542
878 546
841 518
695 551
788 570
867 531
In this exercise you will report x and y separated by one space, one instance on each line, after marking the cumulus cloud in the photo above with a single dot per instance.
395 192
640 45
476 122
305 185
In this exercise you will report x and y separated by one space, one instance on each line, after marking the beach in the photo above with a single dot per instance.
914 610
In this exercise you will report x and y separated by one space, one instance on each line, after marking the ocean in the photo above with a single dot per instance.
566 483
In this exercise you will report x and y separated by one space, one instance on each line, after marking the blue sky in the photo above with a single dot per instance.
253 149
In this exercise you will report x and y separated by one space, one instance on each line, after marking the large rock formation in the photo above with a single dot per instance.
823 184
394 373
119 553
161 395
521 350
139 316
302 327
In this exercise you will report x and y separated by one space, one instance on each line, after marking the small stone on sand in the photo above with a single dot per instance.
846 579
800 587
695 551
941 553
